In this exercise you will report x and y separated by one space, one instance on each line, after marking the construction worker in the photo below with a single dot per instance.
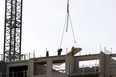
47 53
72 51
59 51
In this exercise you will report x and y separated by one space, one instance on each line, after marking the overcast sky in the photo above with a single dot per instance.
94 23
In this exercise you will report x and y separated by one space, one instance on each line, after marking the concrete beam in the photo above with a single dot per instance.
87 57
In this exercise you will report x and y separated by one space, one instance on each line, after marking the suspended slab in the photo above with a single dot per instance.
74 51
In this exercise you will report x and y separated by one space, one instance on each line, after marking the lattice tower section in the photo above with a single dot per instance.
12 30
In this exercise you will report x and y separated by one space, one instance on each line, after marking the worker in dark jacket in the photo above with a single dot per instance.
59 51
47 53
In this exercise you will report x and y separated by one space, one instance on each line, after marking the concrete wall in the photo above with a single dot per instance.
39 76
113 67
107 65
2 69
55 74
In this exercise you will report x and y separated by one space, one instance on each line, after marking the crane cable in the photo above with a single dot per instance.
73 32
62 34
67 19
67 31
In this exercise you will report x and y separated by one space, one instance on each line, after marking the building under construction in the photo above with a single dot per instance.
61 66
15 64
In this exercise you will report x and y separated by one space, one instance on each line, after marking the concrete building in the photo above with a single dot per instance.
61 66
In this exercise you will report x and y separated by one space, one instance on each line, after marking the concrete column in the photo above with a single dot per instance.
30 68
76 65
70 64
67 64
7 71
102 64
49 68
107 66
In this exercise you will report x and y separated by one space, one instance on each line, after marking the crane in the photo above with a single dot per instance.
12 30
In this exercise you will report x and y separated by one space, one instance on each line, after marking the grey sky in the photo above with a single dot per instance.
94 23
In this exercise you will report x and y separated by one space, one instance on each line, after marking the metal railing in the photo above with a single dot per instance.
26 56
86 69
14 74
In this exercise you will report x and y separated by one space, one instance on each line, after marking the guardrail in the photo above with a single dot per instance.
26 56
86 69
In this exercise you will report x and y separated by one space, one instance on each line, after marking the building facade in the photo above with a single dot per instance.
61 66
